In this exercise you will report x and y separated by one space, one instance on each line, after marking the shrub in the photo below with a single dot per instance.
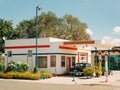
103 70
35 69
99 68
24 75
0 74
22 67
44 74
12 66
34 76
8 75
19 75
2 67
88 71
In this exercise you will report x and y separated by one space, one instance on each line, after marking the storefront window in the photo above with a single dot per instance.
42 62
83 57
52 61
62 61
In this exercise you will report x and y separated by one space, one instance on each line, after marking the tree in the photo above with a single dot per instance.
48 24
24 28
6 29
72 28
68 27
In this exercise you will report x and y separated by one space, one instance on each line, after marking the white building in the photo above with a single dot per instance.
54 55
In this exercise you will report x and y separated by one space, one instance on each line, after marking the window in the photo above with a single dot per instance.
62 61
42 62
73 61
52 61
9 53
29 53
83 57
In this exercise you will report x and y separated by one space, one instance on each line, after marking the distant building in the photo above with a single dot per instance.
113 57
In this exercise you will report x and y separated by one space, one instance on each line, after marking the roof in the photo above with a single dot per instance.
116 48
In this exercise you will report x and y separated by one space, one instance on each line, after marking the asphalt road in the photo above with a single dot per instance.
21 85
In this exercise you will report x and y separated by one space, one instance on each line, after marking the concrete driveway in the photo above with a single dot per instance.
112 80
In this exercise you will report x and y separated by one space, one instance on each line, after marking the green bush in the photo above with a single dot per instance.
12 66
44 74
19 75
0 74
88 71
2 67
25 75
103 70
35 69
99 68
22 67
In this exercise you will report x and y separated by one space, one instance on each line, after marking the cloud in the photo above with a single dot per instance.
116 29
117 41
109 40
89 31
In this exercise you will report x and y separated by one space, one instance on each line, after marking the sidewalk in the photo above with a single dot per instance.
112 80
68 80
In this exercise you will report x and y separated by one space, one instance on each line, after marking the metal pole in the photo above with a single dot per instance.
108 59
37 36
95 56
74 72
96 61
37 9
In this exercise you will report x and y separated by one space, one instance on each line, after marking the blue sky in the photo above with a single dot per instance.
101 16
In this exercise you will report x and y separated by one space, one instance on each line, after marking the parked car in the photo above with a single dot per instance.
77 69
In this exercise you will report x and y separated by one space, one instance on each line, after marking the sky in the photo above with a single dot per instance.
101 16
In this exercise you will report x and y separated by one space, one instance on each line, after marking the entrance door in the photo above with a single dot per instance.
68 64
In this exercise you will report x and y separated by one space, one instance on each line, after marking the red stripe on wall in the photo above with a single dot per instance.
68 48
22 47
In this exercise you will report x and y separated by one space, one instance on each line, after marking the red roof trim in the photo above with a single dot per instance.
22 47
68 48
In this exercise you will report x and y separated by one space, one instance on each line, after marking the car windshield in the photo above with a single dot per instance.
82 65
79 64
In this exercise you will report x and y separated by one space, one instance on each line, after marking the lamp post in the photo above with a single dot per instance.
108 59
95 56
37 9
74 72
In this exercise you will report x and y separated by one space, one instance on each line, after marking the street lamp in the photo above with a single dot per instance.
37 9
108 59
95 56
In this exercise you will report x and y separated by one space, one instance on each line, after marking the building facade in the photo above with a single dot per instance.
54 55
